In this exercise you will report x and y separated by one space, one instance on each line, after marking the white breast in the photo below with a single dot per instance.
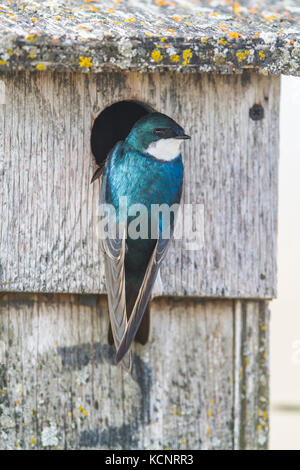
165 149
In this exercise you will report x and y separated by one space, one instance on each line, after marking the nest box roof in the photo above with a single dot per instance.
189 35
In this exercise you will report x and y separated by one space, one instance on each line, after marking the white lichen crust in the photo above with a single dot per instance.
150 35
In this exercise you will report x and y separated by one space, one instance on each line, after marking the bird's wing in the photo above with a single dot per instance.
114 255
115 284
142 298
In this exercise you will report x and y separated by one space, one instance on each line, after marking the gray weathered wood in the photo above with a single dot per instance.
200 382
48 209
219 36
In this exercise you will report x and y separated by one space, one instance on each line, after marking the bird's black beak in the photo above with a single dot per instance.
183 137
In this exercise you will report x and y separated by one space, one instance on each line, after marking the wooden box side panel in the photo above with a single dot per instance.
49 212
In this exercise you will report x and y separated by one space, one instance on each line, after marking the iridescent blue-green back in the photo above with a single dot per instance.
143 180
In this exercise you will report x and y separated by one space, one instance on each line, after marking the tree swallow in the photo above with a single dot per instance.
146 170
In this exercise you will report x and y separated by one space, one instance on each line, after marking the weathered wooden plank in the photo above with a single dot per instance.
149 36
49 211
251 417
200 382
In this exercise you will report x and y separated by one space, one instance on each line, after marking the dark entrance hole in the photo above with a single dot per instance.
114 124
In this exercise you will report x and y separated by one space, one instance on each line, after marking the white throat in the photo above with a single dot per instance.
165 149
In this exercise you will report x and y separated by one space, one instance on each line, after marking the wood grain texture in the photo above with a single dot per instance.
49 211
200 382
149 35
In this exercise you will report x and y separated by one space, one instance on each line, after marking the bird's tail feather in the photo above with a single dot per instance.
142 335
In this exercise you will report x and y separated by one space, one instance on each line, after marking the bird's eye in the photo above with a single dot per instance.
160 132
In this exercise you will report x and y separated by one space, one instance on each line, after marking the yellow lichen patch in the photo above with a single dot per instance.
246 361
163 2
83 411
204 40
32 440
156 55
236 8
209 432
57 18
174 57
177 18
9 52
264 327
262 54
242 55
35 20
259 427
148 34
130 20
175 411
5 283
222 41
187 55
162 39
214 13
85 62
258 411
3 62
92 8
209 413
184 442
110 10
70 414
30 38
3 392
41 67
31 56
265 415
233 34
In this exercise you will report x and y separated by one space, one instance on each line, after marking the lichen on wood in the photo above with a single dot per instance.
201 382
224 37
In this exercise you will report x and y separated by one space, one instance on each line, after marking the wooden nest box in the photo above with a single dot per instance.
74 77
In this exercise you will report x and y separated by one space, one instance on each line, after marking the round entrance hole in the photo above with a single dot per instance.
113 125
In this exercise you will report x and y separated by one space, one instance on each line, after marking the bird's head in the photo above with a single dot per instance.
157 135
